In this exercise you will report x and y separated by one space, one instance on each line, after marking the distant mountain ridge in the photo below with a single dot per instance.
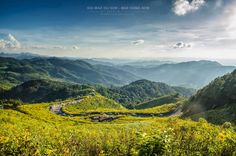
21 56
15 71
193 74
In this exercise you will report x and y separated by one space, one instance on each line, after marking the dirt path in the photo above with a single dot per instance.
57 109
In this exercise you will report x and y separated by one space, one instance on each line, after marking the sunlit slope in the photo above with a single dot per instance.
159 101
99 103
34 130
93 102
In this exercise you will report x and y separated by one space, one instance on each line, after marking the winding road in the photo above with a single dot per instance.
57 108
108 116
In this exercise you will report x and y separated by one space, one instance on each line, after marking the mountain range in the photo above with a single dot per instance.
15 71
192 74
18 68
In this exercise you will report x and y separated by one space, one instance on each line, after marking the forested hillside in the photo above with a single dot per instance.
45 91
13 71
142 90
128 95
216 101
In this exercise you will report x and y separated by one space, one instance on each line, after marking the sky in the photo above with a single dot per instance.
198 29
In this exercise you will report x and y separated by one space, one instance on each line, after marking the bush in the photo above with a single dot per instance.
153 145
10 103
227 125
202 120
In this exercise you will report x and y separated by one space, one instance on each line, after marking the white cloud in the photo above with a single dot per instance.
182 7
137 42
75 47
9 42
182 45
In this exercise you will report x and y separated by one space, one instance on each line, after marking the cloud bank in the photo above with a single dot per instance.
9 42
182 7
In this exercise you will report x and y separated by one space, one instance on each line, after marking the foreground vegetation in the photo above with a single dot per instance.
34 130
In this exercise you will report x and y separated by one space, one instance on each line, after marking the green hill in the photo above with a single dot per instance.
141 90
218 99
94 103
158 101
45 91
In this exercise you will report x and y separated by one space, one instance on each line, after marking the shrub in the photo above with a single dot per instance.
153 145
227 125
202 120
10 103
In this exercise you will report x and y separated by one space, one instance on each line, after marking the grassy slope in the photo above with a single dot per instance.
93 103
158 101
38 131
100 103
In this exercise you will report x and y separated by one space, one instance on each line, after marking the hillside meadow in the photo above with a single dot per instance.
33 129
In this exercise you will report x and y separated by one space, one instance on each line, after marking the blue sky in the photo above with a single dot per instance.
201 29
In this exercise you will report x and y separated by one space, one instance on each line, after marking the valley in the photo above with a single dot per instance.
54 117
117 78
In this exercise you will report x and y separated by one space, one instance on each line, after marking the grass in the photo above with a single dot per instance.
158 101
100 103
94 103
34 130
